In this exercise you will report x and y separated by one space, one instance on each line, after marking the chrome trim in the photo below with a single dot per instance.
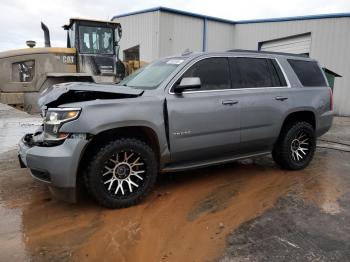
233 89
230 89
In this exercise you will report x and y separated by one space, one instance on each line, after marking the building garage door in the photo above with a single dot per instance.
299 44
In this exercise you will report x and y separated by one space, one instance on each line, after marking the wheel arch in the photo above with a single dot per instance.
143 133
306 115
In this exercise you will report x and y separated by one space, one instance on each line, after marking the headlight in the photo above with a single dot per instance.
55 118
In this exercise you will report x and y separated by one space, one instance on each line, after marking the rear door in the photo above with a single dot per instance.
204 123
263 102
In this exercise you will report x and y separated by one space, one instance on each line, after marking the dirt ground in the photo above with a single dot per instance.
243 211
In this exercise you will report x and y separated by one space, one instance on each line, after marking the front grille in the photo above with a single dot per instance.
42 175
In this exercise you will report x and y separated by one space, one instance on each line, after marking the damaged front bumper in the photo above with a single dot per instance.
57 166
22 150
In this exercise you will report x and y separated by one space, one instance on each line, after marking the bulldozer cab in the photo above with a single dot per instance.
97 45
91 55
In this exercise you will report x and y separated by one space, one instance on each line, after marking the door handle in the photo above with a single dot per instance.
229 102
281 98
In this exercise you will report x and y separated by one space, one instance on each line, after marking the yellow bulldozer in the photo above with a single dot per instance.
91 55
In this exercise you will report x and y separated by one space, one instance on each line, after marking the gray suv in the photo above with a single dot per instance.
175 114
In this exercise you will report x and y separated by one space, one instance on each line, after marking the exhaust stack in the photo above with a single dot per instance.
46 35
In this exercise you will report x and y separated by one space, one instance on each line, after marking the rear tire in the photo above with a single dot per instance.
295 146
121 173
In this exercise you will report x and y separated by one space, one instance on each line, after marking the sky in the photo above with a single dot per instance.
20 19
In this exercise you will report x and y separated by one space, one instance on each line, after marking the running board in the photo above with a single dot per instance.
200 164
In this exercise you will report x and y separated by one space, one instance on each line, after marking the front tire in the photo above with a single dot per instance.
295 146
121 173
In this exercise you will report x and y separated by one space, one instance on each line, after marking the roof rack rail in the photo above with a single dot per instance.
266 52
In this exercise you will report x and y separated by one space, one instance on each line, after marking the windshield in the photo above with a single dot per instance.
151 76
96 40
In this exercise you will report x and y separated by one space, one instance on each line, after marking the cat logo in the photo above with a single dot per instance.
68 59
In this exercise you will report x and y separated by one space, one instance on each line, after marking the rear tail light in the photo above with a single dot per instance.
331 99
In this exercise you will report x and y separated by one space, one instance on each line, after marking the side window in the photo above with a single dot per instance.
254 72
308 72
96 40
23 71
86 42
213 72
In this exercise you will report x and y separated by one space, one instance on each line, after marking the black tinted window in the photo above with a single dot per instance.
253 72
308 72
213 72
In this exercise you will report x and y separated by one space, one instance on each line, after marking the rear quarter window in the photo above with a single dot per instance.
308 72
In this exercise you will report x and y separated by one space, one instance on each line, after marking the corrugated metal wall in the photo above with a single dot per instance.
220 36
162 34
178 33
330 45
143 30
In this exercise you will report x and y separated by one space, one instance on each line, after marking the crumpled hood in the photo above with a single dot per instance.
86 91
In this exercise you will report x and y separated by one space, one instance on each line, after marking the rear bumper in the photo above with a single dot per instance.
56 166
324 123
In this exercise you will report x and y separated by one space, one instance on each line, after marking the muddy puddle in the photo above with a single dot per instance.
186 218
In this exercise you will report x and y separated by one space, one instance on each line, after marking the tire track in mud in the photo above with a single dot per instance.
215 201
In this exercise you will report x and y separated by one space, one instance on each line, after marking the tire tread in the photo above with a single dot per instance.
281 150
93 190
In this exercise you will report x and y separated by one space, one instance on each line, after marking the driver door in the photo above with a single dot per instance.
205 123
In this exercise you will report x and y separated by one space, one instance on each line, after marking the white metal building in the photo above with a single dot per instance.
159 32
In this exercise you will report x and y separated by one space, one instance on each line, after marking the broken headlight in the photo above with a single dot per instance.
55 118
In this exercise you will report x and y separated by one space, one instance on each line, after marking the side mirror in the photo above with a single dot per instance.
187 83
